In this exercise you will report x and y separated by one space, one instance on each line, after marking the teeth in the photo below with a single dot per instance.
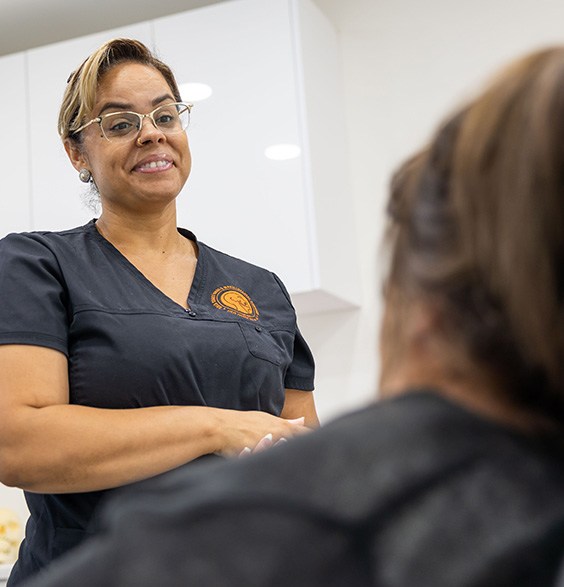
154 164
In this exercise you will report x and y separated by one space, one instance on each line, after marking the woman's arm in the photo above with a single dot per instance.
300 403
50 446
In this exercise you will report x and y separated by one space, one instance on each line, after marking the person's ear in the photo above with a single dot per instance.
76 155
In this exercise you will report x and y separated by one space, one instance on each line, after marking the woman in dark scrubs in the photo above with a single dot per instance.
127 347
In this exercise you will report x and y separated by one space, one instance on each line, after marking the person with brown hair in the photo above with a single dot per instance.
127 346
456 476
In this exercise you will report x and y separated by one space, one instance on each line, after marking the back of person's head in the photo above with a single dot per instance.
80 94
477 230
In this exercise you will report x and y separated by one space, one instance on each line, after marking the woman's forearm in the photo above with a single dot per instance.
50 446
69 448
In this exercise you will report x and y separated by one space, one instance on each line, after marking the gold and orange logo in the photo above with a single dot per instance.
236 301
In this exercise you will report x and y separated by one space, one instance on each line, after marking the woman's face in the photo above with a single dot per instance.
121 169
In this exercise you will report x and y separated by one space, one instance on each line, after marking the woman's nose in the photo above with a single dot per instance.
149 132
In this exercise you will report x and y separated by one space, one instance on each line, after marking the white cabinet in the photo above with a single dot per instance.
56 198
273 68
15 214
237 199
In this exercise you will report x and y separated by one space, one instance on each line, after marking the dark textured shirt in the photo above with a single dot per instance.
414 491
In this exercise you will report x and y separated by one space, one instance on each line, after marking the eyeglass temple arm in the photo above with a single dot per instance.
97 119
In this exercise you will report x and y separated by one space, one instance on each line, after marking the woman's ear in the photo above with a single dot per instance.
76 155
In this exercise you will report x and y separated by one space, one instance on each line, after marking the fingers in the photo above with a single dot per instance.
250 432
298 426
262 444
297 421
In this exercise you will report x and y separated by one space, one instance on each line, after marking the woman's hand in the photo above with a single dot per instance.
267 441
246 432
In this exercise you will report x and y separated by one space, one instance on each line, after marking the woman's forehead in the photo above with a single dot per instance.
130 83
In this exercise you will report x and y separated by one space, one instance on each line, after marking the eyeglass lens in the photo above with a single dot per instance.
169 118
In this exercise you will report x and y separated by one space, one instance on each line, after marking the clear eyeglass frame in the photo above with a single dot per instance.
126 124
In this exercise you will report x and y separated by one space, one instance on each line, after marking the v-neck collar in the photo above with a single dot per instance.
195 288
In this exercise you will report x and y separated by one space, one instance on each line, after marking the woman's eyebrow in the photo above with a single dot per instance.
162 98
115 106
129 106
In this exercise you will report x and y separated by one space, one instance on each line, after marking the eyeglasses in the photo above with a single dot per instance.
120 126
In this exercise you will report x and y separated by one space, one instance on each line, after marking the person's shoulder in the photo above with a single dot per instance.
228 260
17 240
220 262
223 258
427 420
368 456
44 248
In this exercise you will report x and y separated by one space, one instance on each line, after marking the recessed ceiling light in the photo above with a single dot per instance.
195 92
282 152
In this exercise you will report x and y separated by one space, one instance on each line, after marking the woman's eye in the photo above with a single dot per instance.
165 119
120 126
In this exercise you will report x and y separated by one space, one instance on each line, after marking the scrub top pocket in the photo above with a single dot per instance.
261 344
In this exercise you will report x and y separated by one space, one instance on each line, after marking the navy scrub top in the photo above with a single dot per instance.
236 346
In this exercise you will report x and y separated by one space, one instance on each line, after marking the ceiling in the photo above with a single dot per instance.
32 23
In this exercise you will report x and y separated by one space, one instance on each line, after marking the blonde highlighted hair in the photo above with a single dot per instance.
80 94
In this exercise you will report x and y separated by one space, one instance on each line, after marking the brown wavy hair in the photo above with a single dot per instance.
477 229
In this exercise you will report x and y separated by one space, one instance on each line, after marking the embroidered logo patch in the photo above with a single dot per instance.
236 301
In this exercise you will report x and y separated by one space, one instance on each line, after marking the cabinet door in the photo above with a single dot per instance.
56 190
236 199
14 148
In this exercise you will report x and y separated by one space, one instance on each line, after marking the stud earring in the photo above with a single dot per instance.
84 175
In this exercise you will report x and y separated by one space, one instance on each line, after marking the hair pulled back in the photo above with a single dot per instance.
478 229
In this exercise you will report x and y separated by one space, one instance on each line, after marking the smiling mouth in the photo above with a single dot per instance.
154 166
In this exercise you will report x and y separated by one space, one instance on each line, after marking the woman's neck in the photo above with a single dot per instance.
151 233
